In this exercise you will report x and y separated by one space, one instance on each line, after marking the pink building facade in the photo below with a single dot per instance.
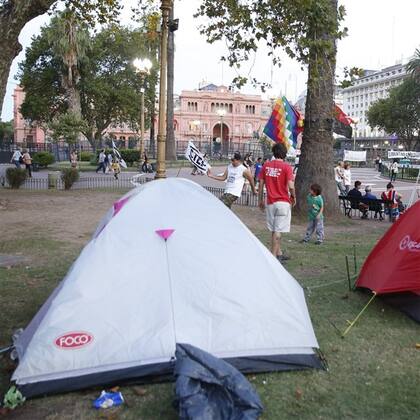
216 113
209 114
25 131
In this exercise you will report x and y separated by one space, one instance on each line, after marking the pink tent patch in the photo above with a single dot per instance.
118 205
165 233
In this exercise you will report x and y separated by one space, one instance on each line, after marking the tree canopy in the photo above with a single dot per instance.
297 27
399 113
14 15
109 86
6 132
307 30
413 66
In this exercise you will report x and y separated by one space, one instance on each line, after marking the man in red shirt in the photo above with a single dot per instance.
277 176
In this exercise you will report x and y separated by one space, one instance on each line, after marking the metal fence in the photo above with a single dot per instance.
408 173
112 184
61 151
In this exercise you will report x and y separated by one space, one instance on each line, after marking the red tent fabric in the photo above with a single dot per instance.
394 264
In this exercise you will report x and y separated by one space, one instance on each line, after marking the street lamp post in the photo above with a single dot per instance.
221 113
166 6
197 123
355 121
143 67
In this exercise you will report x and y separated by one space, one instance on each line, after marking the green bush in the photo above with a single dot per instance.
86 156
15 177
69 176
43 159
130 156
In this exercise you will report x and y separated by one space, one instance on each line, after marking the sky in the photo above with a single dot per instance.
381 32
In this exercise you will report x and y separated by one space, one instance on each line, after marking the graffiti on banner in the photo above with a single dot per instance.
196 158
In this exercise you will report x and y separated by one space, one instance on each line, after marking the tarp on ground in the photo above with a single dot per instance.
208 388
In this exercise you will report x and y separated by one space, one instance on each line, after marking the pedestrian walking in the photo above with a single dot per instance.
145 165
297 158
101 161
73 159
315 215
235 175
257 170
394 171
27 160
377 163
339 177
17 158
347 177
277 176
109 162
116 168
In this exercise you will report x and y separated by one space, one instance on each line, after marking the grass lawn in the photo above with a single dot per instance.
373 372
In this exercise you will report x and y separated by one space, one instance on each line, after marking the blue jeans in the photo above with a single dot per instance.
316 225
101 166
16 163
341 188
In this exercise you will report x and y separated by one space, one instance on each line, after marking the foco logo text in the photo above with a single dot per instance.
73 340
407 244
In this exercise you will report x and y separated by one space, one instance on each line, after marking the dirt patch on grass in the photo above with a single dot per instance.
66 216
72 216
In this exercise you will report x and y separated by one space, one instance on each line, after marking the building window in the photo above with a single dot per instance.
193 106
250 109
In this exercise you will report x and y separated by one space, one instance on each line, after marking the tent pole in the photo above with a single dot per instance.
348 272
354 257
358 316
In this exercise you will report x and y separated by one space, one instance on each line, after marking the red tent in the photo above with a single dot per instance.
392 269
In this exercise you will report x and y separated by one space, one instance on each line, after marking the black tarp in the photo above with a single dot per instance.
208 388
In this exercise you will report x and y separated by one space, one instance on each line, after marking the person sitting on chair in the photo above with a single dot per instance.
355 196
376 207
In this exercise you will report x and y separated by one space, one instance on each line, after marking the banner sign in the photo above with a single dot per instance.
399 154
353 156
196 158
117 153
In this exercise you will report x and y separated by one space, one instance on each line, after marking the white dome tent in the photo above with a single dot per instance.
165 266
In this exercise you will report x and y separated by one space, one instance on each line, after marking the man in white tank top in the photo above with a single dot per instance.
234 175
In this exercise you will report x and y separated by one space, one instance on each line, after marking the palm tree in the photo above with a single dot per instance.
69 39
413 66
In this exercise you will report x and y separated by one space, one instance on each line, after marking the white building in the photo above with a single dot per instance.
300 103
365 91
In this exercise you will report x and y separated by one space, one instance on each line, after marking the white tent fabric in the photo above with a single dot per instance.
131 295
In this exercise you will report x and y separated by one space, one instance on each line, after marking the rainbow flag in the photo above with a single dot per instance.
284 124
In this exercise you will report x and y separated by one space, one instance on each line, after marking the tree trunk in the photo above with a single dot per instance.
316 160
13 17
170 134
